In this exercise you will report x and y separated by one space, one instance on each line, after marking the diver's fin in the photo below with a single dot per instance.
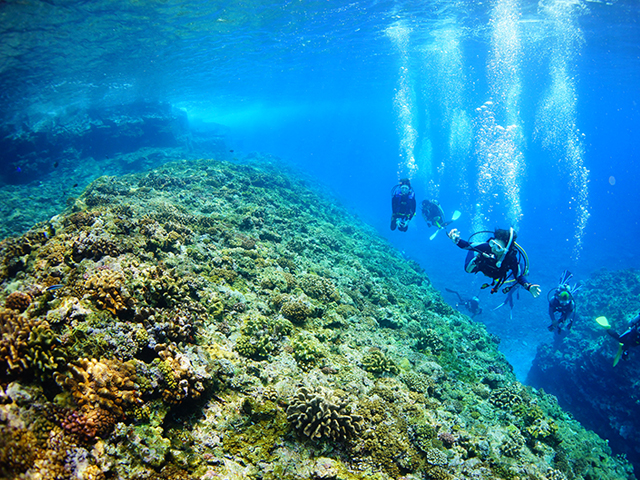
618 355
456 215
565 277
434 234
603 322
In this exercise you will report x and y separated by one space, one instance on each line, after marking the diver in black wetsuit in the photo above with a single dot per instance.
629 339
403 205
472 304
433 214
561 310
496 258
562 306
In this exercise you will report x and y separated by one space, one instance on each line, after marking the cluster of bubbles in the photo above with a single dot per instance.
555 124
500 165
404 102
504 62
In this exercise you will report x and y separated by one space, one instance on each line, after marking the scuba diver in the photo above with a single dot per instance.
403 205
471 304
562 305
498 258
434 216
630 338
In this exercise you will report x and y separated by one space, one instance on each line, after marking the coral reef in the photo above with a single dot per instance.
210 319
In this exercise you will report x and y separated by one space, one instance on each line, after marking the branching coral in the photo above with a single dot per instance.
17 451
319 288
27 345
87 423
297 311
261 336
429 339
319 415
307 351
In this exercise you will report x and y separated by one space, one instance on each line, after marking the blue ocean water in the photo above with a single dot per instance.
516 113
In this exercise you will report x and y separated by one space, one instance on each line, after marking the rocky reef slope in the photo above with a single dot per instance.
217 320
580 372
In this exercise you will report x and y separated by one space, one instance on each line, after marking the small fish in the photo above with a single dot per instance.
54 287
231 151
18 169
74 185
55 164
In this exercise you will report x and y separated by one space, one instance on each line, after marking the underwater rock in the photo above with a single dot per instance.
210 319
580 371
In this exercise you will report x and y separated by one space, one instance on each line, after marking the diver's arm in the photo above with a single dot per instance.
412 206
395 203
532 288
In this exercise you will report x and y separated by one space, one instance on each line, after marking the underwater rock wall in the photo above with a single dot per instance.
38 146
580 372
217 320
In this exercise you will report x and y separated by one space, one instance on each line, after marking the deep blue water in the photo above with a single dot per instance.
360 93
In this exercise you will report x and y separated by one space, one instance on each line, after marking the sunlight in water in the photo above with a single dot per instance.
556 117
404 102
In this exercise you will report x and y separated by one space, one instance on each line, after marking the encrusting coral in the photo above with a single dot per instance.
163 326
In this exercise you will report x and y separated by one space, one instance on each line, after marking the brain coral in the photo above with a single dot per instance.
320 416
18 301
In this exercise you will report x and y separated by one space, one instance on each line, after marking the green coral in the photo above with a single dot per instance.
297 311
545 430
255 436
261 336
319 288
374 361
307 351
429 339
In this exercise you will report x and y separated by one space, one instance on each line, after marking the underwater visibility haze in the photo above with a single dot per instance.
198 275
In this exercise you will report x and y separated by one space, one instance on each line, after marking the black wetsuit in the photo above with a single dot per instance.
403 208
481 259
566 311
433 213
630 338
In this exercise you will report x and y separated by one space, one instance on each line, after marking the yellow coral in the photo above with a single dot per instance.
106 288
106 384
